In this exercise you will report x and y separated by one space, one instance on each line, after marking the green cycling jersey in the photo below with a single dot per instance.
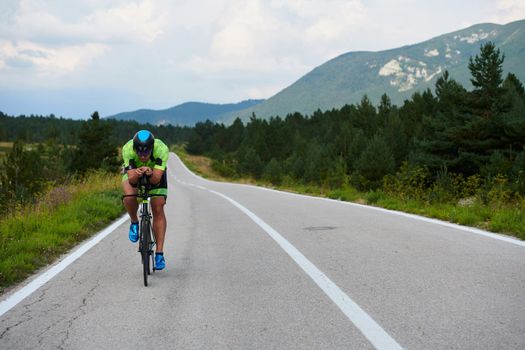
158 159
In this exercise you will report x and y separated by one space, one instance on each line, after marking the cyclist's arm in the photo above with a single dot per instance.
161 160
156 176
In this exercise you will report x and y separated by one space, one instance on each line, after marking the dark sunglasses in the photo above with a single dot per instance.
143 151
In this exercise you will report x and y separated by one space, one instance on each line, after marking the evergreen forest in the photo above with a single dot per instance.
41 152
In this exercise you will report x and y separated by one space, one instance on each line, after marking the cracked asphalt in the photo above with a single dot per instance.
228 285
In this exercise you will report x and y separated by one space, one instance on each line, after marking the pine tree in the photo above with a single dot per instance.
440 141
486 69
366 117
94 149
513 119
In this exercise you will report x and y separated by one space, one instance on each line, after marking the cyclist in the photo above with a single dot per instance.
144 155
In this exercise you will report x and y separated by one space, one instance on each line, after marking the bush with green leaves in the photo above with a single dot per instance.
410 182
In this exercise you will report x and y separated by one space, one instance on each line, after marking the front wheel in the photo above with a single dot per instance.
145 228
152 251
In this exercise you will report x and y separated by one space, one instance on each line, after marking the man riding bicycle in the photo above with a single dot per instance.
146 156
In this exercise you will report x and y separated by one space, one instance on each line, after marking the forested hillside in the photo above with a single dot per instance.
398 72
447 146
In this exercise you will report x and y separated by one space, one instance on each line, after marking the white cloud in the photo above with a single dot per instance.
142 21
244 31
509 11
280 35
46 60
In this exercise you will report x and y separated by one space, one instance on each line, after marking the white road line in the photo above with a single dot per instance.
370 329
26 291
479 232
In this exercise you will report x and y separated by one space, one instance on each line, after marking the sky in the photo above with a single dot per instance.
71 58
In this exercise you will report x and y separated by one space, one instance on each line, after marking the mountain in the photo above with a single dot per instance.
186 114
398 72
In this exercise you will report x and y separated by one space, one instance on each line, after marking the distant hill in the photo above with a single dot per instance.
186 114
398 72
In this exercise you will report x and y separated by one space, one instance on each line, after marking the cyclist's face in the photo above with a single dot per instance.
144 157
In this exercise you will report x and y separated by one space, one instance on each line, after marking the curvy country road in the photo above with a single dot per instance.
249 268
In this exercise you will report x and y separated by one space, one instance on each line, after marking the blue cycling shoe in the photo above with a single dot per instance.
134 232
160 263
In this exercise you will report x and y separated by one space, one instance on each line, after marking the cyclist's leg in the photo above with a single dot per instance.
130 203
159 221
157 209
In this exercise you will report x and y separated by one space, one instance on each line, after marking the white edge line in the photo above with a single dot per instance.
370 329
497 236
38 282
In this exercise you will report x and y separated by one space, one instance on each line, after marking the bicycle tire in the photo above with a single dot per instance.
151 251
145 228
152 262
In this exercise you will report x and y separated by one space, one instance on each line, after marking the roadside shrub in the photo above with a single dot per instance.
373 197
410 182
444 189
223 168
499 192
518 174
471 186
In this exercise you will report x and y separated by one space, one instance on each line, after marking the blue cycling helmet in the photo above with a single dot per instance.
143 142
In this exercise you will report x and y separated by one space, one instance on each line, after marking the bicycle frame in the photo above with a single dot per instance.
146 235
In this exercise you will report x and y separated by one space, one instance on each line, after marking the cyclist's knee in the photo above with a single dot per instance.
130 201
128 189
157 208
158 214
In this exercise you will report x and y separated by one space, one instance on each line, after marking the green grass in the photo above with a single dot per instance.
36 236
507 218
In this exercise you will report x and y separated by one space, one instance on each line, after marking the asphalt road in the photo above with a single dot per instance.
249 268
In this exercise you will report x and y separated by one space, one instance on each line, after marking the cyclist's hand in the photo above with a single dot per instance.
144 170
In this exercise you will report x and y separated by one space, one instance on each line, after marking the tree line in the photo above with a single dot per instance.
440 145
39 129
48 151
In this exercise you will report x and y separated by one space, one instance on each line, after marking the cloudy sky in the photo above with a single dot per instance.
73 57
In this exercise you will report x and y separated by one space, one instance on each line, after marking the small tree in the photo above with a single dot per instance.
93 148
375 162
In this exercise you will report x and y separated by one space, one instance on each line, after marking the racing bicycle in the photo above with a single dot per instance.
146 234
